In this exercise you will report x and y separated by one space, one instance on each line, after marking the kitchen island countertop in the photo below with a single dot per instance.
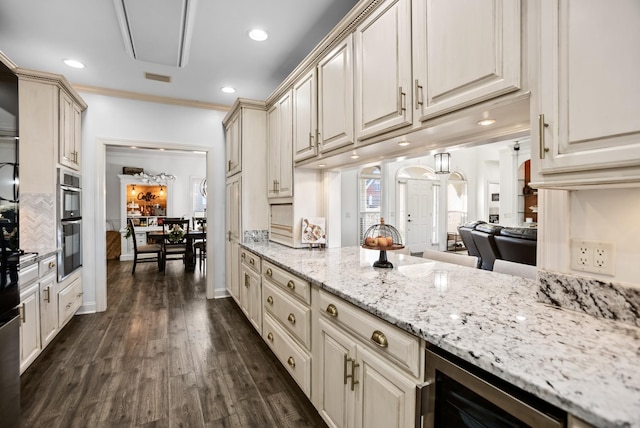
584 365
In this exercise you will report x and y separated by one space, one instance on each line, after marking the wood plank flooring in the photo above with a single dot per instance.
162 355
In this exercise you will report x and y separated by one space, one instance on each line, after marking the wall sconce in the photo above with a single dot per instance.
133 190
161 190
443 161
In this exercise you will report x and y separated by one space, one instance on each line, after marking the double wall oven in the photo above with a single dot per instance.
69 222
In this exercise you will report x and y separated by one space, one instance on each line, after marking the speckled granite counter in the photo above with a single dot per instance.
586 366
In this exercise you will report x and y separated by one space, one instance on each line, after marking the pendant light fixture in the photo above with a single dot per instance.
443 161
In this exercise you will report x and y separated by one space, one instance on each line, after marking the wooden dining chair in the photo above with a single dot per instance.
174 244
145 249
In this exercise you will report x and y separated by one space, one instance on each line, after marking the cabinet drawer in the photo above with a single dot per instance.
250 260
296 286
293 358
292 314
69 300
27 275
48 266
387 339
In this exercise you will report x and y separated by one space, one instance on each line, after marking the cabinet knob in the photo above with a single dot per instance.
291 318
252 262
332 310
243 256
379 339
291 285
270 300
270 337
269 272
291 362
52 265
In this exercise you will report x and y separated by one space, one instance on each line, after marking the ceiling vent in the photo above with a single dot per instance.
157 31
158 77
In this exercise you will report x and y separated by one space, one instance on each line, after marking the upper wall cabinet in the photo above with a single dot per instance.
465 52
383 96
70 127
280 148
304 117
234 144
335 97
584 116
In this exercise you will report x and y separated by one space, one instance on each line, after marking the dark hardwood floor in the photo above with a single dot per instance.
162 355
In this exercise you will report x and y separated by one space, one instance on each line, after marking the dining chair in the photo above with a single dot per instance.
458 259
145 249
174 241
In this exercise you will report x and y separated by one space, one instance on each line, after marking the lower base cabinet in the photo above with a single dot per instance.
48 309
357 387
30 342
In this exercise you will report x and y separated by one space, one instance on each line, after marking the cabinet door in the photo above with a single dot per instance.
30 344
48 309
77 135
304 117
251 297
589 87
385 397
335 354
67 132
233 192
335 97
280 149
383 70
465 51
233 139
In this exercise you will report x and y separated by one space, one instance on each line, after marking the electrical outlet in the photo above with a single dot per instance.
593 256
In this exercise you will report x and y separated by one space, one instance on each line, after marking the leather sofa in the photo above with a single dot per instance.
489 242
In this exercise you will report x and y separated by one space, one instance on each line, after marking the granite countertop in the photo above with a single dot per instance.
32 258
584 365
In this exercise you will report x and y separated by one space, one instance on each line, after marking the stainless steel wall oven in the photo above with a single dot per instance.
69 222
458 394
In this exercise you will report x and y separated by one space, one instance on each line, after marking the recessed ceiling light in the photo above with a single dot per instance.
322 165
354 156
404 143
486 122
258 35
73 63
228 89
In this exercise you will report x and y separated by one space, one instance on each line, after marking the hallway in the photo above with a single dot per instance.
161 356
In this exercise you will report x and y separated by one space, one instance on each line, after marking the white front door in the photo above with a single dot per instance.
419 212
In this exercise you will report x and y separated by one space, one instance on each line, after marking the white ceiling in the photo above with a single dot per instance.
39 34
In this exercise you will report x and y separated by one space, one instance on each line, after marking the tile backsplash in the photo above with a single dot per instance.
594 297
37 222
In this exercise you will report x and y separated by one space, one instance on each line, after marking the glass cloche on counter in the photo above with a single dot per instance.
382 237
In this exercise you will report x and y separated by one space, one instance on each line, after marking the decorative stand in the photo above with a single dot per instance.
382 237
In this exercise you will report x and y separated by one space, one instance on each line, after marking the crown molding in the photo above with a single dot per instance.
149 98
244 103
7 61
51 78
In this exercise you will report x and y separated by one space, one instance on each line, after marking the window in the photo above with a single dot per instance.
369 191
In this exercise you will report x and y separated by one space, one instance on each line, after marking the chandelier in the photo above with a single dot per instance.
163 177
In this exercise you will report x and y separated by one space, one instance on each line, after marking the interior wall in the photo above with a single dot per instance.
609 215
170 126
349 207
184 166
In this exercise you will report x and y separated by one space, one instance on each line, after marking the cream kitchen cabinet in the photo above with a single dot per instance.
70 140
583 115
464 52
365 369
305 126
335 97
234 208
280 148
69 298
30 341
251 289
48 300
233 131
383 89
247 206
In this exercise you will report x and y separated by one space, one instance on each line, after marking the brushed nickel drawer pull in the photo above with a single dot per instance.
23 313
291 362
541 126
418 94
247 281
291 318
291 285
48 295
270 300
269 272
332 310
354 366
346 360
270 337
379 339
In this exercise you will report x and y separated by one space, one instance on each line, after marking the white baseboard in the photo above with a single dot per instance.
87 308
221 294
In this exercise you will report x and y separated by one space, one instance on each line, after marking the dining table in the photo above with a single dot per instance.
189 237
